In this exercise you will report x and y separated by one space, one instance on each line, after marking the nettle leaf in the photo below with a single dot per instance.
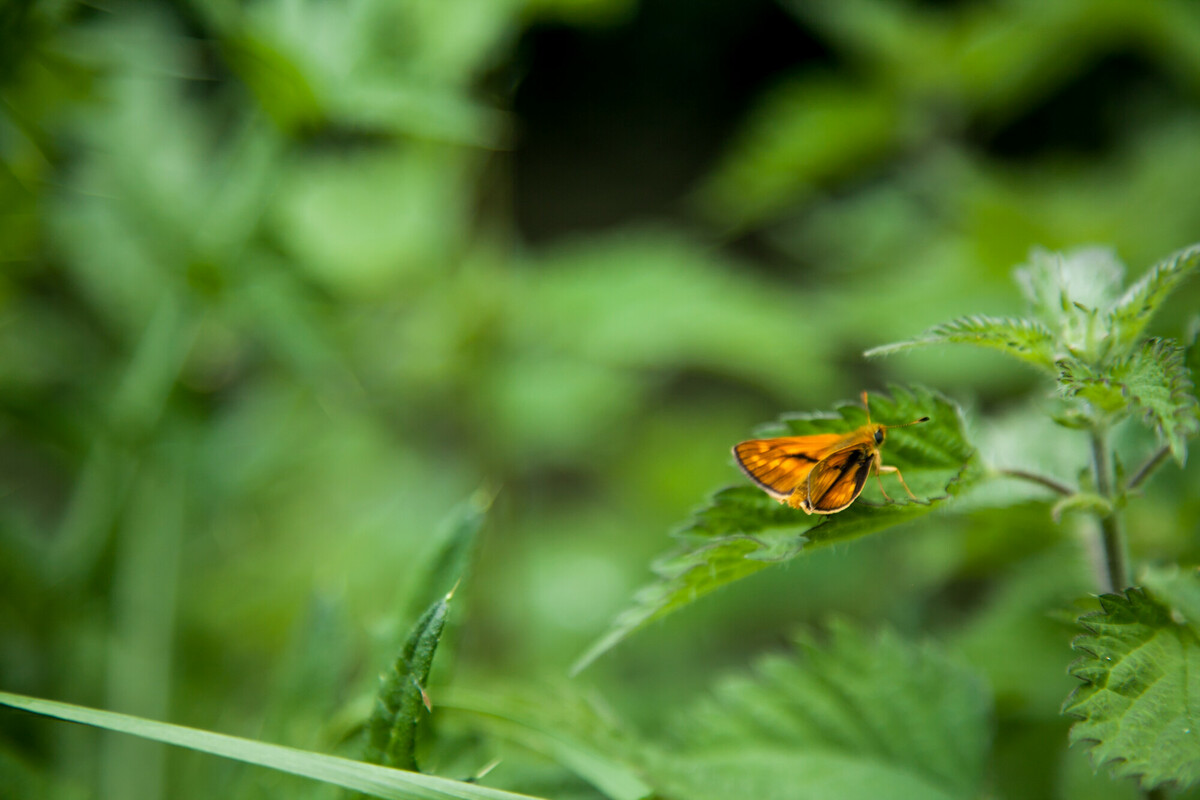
1130 314
859 716
743 530
1054 283
1070 291
1078 306
1176 588
1027 340
1153 380
1139 705
392 728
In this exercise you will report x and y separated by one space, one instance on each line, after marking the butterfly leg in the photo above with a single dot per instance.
881 468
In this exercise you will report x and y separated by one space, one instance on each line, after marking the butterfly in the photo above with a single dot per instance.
822 473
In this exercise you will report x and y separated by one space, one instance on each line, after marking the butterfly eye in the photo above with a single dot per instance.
879 436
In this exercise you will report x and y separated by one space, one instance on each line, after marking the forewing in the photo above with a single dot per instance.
780 465
836 480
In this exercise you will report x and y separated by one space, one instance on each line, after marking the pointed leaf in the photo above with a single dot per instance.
1139 705
1024 339
1055 283
871 704
1070 291
743 530
1130 314
369 778
401 701
455 549
1152 380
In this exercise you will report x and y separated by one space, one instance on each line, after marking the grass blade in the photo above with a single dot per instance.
385 782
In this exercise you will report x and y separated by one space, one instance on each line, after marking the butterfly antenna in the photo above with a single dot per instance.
889 427
906 424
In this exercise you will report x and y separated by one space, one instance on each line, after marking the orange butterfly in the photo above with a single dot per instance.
821 473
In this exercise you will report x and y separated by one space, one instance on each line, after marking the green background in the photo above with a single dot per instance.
286 283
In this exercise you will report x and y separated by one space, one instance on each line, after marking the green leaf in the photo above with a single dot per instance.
276 80
392 728
850 713
1176 588
770 773
1153 380
1139 705
561 724
804 133
1069 291
1024 339
1056 283
743 530
455 550
1133 311
369 778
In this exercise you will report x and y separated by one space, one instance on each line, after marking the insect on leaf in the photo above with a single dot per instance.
742 530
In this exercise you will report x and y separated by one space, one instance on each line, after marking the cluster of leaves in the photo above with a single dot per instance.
1135 707
1081 321
1087 333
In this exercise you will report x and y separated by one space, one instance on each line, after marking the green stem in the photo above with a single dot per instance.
1115 558
1148 468
1041 480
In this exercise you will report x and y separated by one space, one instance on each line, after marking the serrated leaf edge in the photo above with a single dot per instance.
975 329
1111 603
1155 285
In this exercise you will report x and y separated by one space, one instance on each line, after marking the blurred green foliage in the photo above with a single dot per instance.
268 315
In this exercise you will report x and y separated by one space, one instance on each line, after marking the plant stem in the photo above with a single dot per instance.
1032 477
1148 468
1115 558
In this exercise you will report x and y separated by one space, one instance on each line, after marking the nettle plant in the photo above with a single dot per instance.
1138 655
849 714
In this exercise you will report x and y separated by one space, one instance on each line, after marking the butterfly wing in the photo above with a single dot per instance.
781 464
835 481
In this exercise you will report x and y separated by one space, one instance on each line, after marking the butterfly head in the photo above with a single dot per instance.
879 432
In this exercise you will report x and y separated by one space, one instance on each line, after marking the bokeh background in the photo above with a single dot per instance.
286 283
